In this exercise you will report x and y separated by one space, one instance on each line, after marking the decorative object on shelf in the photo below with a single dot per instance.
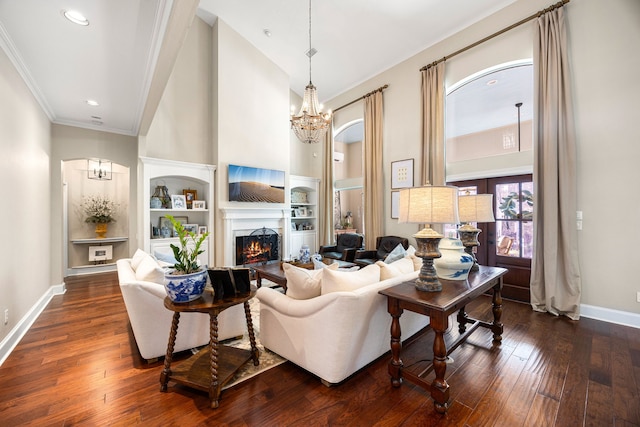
402 174
100 211
162 193
473 208
299 197
199 205
455 263
202 229
166 227
190 196
310 124
428 205
100 253
186 280
348 220
178 201
99 169
305 254
156 203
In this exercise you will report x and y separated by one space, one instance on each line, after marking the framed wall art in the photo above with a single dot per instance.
395 204
248 184
190 195
199 205
202 229
402 174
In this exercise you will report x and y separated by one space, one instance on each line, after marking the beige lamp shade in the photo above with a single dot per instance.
476 208
429 205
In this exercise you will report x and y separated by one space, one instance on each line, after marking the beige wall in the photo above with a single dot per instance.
71 143
181 128
601 34
25 142
252 102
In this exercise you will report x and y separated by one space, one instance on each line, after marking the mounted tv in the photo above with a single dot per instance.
247 184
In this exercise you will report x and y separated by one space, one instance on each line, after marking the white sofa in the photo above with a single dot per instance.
151 321
335 334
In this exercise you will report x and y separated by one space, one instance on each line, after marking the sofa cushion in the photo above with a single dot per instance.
137 258
303 283
397 268
149 270
417 262
335 281
397 253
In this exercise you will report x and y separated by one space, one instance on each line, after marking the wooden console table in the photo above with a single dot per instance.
455 295
213 366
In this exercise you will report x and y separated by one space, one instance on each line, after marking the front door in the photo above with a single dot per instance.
507 242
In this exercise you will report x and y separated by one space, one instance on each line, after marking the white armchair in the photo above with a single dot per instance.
335 334
151 321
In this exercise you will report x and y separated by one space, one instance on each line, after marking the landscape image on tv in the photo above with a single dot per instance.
247 184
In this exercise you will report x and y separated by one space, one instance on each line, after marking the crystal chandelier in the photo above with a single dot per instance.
310 124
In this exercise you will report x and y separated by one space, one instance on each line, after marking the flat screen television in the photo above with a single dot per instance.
247 184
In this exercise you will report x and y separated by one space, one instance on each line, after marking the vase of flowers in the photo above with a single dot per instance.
100 210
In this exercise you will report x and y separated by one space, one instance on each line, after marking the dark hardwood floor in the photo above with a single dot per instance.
78 365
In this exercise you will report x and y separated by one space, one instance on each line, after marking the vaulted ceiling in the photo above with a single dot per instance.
113 59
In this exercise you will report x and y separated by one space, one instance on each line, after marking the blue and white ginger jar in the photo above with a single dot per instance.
455 263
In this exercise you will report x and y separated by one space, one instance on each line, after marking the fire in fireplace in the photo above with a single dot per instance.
258 247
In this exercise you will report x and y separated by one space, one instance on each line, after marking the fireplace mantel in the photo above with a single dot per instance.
239 221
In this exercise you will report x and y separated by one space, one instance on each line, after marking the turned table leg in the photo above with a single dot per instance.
496 326
166 372
395 364
255 354
439 386
214 386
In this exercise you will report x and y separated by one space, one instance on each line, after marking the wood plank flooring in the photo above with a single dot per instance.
78 365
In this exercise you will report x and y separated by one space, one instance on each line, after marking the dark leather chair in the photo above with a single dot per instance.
345 248
384 245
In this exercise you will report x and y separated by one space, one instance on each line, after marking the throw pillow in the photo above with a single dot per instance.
397 253
150 271
335 281
397 268
165 257
319 265
137 258
303 283
411 250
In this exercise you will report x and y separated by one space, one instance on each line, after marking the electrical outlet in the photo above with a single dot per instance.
6 314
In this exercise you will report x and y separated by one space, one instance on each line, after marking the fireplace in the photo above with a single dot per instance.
259 247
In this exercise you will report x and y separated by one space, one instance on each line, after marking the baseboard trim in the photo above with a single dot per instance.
15 335
609 315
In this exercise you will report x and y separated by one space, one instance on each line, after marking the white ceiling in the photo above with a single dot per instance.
112 60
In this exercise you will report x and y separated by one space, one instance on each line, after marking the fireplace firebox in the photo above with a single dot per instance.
259 247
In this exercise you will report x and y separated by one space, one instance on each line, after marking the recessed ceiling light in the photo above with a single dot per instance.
75 17
92 102
266 32
491 82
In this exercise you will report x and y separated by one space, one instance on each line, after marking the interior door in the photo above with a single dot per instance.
507 242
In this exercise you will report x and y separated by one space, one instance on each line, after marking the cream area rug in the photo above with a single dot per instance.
268 359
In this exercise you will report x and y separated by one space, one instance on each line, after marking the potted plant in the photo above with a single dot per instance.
100 211
186 280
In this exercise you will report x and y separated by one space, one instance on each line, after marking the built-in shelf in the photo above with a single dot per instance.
103 240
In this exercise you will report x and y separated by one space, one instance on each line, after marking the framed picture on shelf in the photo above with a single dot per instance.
190 196
301 212
202 229
395 204
178 201
402 174
191 228
198 205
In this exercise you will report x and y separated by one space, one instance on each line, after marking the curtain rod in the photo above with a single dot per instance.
504 30
380 89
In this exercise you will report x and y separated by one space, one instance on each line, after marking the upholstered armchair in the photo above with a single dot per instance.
345 248
384 245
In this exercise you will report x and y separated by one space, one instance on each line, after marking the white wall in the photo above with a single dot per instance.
25 143
181 128
606 88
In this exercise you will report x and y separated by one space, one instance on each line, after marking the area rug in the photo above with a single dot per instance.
268 359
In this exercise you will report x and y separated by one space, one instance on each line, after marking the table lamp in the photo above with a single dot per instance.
473 208
430 204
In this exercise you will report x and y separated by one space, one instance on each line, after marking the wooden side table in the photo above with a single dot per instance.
213 366
455 295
